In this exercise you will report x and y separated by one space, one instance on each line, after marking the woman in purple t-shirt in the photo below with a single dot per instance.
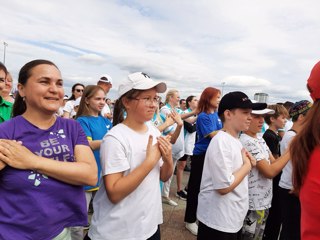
44 161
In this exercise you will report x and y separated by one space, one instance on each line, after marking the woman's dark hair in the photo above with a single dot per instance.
3 68
19 106
204 104
119 109
188 100
303 145
73 89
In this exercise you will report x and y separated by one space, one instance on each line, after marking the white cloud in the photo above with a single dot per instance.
252 46
92 58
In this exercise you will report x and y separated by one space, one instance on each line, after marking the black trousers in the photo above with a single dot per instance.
273 224
290 215
205 233
155 236
197 162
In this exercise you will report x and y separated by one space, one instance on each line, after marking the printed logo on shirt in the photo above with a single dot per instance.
54 149
60 133
36 177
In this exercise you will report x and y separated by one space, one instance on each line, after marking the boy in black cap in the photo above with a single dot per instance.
223 198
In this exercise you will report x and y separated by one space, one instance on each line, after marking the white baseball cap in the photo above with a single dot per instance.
263 111
140 81
105 78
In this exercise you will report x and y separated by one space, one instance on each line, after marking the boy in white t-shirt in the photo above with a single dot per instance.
260 177
223 198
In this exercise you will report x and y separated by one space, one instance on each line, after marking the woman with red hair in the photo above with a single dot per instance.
208 123
305 155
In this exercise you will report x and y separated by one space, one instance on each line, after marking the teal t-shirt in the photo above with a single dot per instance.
95 128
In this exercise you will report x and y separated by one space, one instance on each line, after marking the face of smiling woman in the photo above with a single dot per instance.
43 91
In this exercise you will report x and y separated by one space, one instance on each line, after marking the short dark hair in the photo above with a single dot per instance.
181 100
3 68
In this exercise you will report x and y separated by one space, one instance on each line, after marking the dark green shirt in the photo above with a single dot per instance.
5 110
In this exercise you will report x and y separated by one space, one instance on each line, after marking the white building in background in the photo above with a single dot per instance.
261 97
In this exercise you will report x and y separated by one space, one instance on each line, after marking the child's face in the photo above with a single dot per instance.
280 121
256 123
240 119
96 102
144 106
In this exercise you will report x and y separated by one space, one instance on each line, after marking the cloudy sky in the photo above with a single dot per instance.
252 46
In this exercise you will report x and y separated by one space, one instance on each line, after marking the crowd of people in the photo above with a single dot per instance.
254 167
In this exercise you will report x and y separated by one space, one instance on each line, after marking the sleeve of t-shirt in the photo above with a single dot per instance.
253 148
113 156
205 125
220 164
164 111
272 143
81 136
85 127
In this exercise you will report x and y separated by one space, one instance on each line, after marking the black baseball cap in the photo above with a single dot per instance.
234 100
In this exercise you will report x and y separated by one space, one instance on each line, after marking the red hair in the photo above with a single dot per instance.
303 145
204 104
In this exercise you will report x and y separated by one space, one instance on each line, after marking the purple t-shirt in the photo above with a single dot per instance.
32 205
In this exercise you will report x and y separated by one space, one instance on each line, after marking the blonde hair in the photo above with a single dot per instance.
170 94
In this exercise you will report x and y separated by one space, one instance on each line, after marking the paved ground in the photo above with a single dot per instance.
173 217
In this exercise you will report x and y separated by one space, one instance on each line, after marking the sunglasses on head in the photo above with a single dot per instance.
79 90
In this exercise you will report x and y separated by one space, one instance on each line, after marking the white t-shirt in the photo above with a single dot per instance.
178 147
138 215
106 109
69 107
222 212
60 111
260 187
286 177
189 139
288 125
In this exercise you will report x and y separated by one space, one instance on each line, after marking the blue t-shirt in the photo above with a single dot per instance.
95 128
206 124
33 205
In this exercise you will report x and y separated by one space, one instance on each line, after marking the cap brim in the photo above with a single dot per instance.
161 87
263 112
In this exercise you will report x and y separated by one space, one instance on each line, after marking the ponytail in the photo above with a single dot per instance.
118 112
119 109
